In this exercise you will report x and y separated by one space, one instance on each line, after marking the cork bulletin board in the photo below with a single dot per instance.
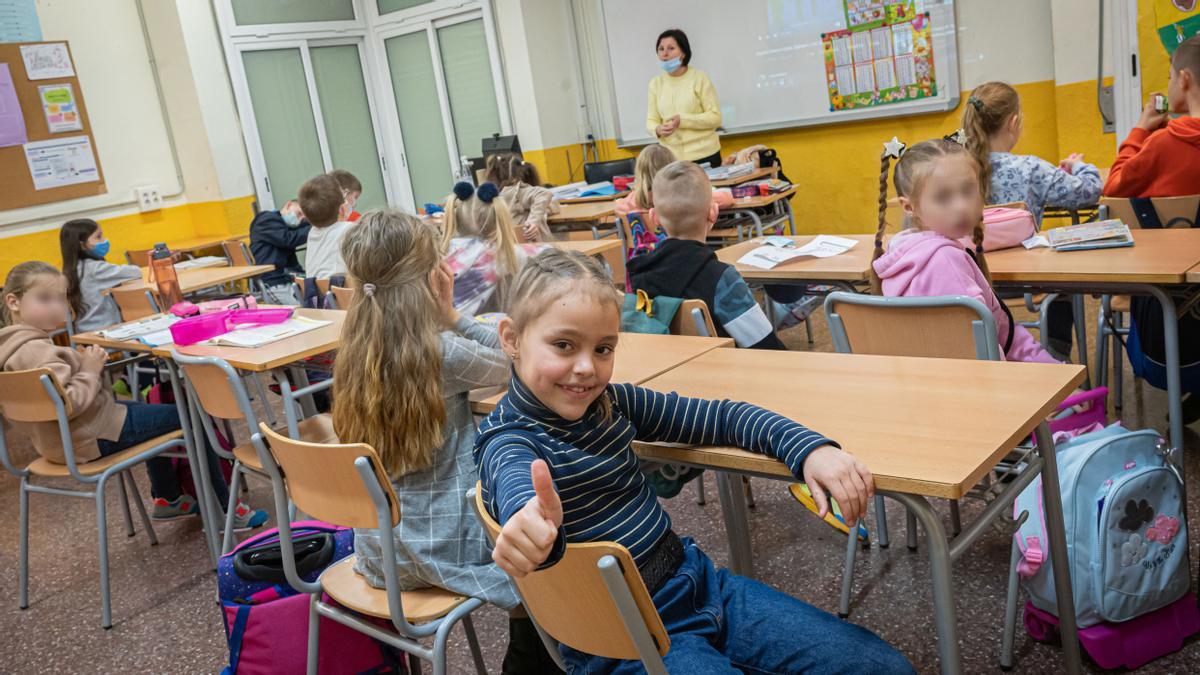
53 109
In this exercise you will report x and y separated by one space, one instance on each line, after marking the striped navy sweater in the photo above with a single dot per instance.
595 471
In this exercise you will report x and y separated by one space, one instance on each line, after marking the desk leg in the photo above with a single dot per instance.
939 562
1055 530
306 402
1174 393
1080 321
196 461
737 523
791 214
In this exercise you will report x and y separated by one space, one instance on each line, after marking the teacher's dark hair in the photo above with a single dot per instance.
680 39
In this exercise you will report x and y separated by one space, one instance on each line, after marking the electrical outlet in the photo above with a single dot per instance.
148 198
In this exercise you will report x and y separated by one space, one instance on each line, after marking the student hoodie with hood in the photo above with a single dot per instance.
93 413
922 263
1165 163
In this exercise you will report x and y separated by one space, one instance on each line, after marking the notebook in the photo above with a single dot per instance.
262 334
1087 236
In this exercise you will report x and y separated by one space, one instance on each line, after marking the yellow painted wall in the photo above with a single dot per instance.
837 166
139 230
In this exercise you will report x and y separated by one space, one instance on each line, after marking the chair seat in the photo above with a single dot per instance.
352 591
1121 303
44 467
315 429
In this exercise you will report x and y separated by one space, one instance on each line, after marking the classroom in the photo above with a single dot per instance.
599 336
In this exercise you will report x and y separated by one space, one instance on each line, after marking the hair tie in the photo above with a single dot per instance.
487 192
894 148
463 190
959 137
369 289
976 103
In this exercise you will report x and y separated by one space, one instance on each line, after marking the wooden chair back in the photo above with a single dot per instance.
134 303
24 399
685 324
555 595
342 296
238 254
212 387
1172 211
141 258
945 331
322 481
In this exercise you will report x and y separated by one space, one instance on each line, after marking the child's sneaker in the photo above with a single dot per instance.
793 313
183 506
246 518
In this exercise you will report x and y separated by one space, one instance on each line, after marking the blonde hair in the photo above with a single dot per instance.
20 279
554 274
988 109
912 169
388 374
684 197
652 159
482 214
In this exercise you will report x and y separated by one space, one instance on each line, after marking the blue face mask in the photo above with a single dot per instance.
671 65
101 249
291 219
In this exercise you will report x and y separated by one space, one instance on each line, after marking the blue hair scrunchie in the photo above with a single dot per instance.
463 190
487 192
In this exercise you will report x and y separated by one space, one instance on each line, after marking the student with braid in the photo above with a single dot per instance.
938 184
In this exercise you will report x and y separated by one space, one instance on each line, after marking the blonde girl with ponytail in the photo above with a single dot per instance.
992 121
939 189
479 243
404 370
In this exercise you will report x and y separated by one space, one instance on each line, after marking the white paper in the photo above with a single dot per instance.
1036 241
261 334
47 61
767 257
779 241
845 80
61 161
881 42
157 338
885 77
822 246
827 246
203 261
842 56
864 77
906 70
862 47
149 325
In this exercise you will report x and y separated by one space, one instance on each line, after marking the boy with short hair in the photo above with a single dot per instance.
1161 156
682 266
274 238
351 189
322 201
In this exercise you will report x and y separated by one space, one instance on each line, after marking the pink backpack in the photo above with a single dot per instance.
1004 227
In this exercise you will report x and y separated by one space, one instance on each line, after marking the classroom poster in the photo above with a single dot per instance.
879 62
47 61
1176 20
12 121
19 21
58 104
61 161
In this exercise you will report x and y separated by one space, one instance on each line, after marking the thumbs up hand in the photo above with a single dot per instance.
527 538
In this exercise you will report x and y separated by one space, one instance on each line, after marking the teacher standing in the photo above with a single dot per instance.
683 112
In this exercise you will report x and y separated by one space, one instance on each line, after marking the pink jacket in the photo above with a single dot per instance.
921 263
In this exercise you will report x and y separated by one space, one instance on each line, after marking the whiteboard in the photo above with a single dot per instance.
765 58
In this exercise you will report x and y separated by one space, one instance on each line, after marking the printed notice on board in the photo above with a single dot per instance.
12 122
58 102
61 161
47 61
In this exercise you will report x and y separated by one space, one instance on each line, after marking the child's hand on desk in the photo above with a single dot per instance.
93 357
528 537
1068 164
849 481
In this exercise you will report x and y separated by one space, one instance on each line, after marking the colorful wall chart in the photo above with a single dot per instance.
885 56
1177 20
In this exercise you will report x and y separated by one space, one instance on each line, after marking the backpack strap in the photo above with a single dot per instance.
236 633
1147 215
1031 536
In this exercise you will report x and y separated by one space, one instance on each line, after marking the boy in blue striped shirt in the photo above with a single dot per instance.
556 467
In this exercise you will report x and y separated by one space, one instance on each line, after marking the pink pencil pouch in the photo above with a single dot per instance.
203 327
185 309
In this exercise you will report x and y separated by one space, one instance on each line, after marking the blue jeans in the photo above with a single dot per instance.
144 421
722 623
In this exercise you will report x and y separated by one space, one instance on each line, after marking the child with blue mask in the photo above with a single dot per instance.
83 247
274 238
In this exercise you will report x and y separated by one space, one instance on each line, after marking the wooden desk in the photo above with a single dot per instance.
852 266
1193 275
200 243
594 198
588 246
781 207
1157 257
584 212
757 174
192 280
639 358
924 427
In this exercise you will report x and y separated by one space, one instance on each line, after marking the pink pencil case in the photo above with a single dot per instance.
203 327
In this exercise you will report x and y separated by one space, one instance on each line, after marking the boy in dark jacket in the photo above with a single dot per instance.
682 266
274 238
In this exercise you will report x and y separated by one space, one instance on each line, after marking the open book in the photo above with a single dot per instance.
1085 236
258 335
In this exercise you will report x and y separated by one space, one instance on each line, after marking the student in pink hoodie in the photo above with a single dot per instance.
938 186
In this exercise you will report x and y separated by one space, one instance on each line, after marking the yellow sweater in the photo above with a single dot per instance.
693 98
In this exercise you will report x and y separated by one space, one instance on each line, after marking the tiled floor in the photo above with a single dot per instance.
166 619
